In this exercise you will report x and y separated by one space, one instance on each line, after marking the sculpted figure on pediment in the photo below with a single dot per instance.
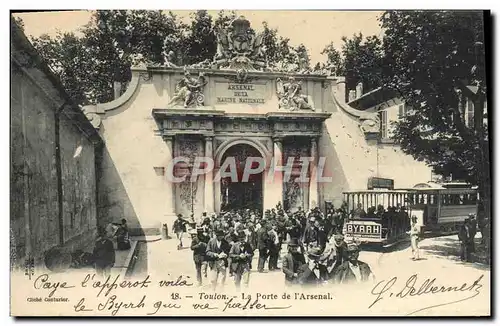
189 90
290 95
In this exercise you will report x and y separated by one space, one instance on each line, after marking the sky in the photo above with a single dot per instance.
315 29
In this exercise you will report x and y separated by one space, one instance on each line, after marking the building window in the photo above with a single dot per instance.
383 124
469 114
403 110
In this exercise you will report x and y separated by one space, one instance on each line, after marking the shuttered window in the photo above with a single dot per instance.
383 124
469 114
402 110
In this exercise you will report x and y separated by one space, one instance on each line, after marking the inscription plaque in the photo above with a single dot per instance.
234 93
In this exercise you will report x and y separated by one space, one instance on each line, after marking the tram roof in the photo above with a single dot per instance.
412 190
378 191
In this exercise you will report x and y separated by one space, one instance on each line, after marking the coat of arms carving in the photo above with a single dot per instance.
239 47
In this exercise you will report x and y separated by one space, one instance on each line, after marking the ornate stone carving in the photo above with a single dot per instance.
190 90
239 47
205 64
218 142
90 112
370 126
369 122
296 152
169 59
290 95
187 194
243 126
241 77
189 148
293 195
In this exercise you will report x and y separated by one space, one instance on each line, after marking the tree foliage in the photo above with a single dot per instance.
429 56
359 60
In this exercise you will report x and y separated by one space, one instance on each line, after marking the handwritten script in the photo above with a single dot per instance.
413 287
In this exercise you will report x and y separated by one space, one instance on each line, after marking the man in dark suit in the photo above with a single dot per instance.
241 255
199 248
466 241
274 247
292 262
217 252
104 253
179 229
263 246
310 233
353 270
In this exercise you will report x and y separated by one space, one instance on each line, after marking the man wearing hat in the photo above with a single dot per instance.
473 226
179 229
241 255
203 217
311 272
104 253
353 270
335 254
414 237
466 241
359 212
217 252
274 247
263 245
199 248
292 262
311 231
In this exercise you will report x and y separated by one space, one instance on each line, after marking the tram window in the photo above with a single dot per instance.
454 200
473 199
432 199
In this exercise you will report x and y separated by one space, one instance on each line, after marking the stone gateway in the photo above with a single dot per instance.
233 108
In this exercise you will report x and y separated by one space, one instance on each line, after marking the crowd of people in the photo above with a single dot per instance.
224 245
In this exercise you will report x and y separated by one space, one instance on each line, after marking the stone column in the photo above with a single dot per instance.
209 184
274 188
169 186
313 178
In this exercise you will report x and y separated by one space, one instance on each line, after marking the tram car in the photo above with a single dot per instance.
364 225
443 208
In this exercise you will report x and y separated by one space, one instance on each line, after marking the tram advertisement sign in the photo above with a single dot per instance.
364 229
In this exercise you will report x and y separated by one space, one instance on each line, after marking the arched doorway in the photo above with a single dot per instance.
239 194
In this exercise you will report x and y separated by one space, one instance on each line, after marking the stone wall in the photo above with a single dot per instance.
53 187
34 204
78 181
